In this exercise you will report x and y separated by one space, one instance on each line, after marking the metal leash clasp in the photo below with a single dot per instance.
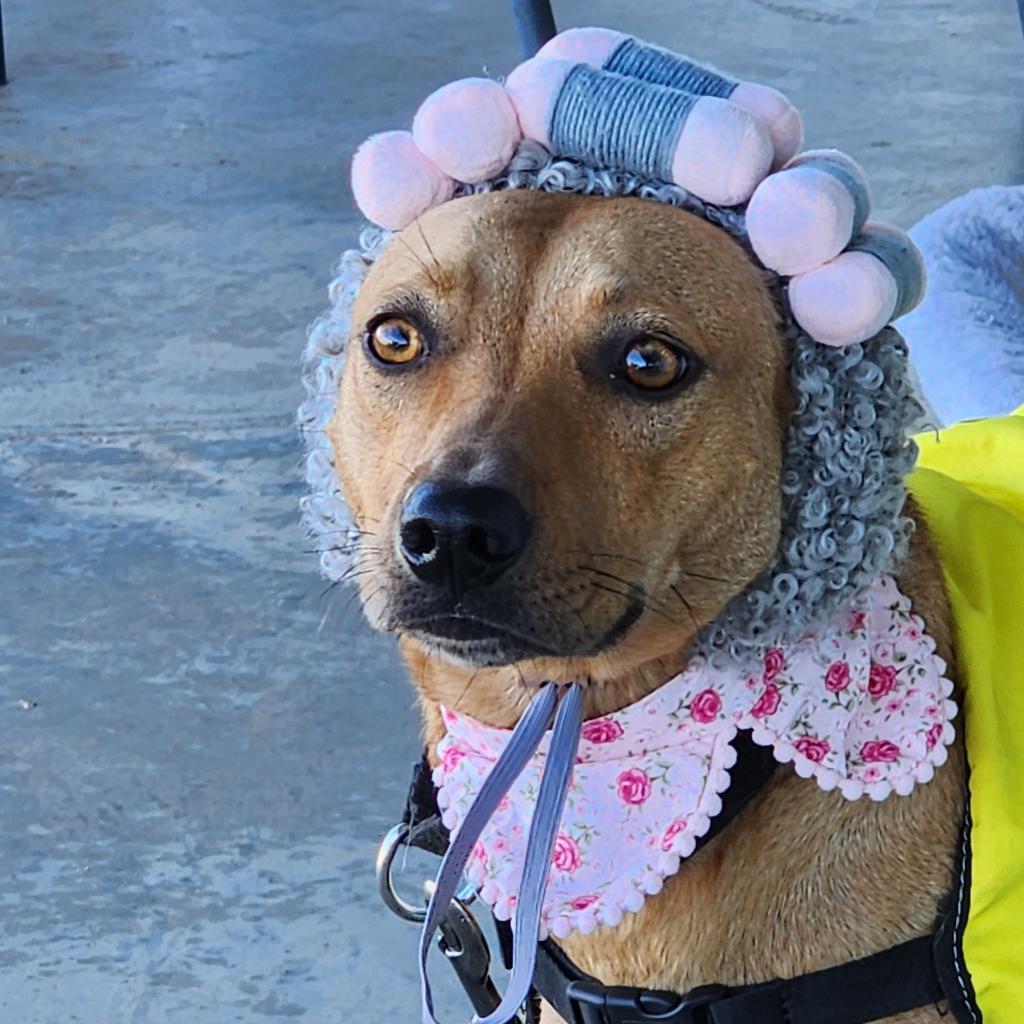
460 937
463 943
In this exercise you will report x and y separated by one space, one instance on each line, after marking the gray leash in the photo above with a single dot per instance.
540 843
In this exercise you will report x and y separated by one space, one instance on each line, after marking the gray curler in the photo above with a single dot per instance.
624 55
704 144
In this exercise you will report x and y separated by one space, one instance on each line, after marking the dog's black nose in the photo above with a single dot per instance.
458 537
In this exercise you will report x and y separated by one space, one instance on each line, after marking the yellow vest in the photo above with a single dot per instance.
970 485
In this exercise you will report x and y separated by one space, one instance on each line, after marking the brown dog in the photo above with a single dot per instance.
560 429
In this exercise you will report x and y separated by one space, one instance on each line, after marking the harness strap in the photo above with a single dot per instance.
898 979
421 815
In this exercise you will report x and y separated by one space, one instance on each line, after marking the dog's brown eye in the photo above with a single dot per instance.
396 341
654 364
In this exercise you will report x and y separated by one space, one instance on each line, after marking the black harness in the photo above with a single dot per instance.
913 974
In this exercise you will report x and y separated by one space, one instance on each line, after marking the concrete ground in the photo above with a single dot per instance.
197 751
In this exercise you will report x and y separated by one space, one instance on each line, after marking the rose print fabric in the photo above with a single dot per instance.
861 705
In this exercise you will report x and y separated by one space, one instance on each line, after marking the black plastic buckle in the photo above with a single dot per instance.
615 1004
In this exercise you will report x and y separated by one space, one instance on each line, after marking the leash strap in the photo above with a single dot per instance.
540 843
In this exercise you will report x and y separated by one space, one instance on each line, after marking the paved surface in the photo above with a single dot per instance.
197 752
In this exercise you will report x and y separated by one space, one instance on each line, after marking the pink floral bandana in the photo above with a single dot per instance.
861 704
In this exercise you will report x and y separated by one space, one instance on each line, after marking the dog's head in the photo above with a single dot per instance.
568 433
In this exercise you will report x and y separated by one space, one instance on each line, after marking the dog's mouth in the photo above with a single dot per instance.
473 638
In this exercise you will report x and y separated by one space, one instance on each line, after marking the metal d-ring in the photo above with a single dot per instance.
394 839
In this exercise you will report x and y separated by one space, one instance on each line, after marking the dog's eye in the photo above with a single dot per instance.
395 341
654 364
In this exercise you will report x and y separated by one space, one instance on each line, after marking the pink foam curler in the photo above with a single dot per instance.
808 212
617 52
393 182
468 128
716 150
533 88
776 113
850 299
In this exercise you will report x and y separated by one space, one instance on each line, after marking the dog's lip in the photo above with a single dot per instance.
625 622
465 628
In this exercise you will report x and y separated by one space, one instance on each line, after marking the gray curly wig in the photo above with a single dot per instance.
847 451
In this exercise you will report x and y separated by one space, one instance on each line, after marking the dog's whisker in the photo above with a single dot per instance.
366 600
357 549
645 604
611 576
712 579
686 604
419 260
604 554
568 604
330 586
465 689
635 589
429 248
354 575
640 561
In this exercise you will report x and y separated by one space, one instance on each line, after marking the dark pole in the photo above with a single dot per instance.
3 59
535 24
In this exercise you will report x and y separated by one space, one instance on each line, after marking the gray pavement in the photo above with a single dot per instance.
197 751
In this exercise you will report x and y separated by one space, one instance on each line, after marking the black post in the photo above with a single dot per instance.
3 59
535 24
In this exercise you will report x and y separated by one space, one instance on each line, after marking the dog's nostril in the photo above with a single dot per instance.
418 538
488 546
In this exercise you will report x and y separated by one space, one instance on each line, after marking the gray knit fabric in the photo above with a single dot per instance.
848 173
609 120
845 458
903 259
662 67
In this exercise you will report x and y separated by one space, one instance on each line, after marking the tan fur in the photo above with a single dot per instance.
521 287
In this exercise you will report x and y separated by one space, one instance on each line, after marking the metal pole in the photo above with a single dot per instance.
3 59
535 24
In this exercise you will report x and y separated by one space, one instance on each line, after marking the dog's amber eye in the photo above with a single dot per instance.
654 364
396 341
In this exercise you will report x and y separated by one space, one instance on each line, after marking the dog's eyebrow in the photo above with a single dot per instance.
407 303
601 288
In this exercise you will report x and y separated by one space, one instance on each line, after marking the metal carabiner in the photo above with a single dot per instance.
394 839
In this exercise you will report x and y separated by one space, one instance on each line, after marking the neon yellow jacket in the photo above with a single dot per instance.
970 485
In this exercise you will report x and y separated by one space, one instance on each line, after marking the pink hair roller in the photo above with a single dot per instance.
807 213
850 299
468 129
393 182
